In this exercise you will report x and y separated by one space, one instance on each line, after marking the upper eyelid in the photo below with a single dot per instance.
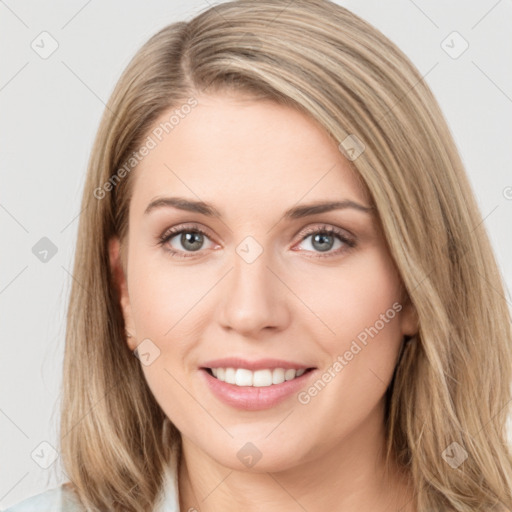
350 242
173 231
176 230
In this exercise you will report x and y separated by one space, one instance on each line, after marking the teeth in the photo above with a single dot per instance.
230 376
278 376
243 377
258 378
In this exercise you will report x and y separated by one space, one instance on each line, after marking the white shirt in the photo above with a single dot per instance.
61 499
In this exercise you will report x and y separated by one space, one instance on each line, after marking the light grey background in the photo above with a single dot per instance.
50 110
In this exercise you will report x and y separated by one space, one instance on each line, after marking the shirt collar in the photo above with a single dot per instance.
169 497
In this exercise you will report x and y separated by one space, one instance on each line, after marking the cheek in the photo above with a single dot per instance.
352 297
375 340
360 305
164 383
161 295
162 306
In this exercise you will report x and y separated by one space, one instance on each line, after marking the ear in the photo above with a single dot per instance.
409 318
118 273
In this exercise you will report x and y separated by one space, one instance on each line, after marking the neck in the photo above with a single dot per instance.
349 477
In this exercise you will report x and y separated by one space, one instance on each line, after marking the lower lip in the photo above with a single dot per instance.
252 398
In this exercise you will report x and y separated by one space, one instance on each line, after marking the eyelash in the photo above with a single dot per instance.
194 228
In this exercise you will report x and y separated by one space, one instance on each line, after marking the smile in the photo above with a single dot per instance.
258 378
255 385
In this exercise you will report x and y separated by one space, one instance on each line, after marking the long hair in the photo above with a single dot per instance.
447 404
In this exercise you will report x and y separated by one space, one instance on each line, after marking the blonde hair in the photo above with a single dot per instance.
452 381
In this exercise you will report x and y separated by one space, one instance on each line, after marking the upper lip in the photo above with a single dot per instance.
259 364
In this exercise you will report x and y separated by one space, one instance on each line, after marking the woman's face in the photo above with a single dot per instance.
260 289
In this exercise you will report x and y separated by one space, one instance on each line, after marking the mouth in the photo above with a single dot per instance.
255 385
243 377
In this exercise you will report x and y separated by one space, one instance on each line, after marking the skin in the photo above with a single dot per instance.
253 160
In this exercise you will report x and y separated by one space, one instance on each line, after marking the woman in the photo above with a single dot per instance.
277 224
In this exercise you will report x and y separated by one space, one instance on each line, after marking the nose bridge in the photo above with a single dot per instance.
253 299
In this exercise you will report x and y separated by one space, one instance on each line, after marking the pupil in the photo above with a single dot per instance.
322 239
190 238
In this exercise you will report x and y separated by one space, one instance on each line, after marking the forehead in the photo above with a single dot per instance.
241 154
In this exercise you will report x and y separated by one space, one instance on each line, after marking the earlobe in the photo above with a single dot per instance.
118 273
409 319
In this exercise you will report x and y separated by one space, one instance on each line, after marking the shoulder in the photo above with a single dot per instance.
57 499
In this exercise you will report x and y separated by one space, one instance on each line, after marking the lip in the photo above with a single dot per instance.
250 398
260 364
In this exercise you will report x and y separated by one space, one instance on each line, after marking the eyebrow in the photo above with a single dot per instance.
297 212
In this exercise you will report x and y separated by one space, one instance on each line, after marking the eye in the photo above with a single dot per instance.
323 238
191 239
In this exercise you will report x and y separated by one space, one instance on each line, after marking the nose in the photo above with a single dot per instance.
255 299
